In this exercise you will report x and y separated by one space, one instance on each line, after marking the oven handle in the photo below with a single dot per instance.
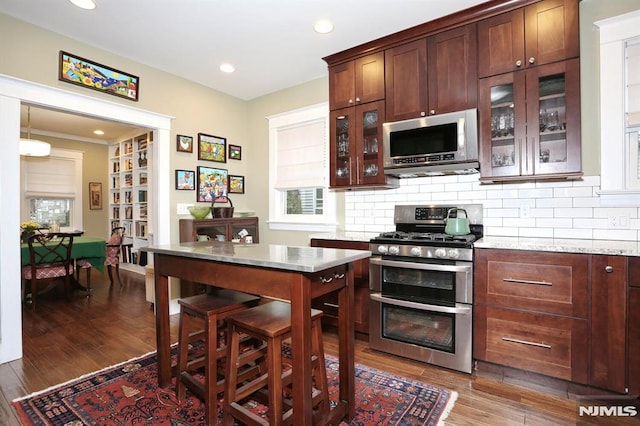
423 266
377 297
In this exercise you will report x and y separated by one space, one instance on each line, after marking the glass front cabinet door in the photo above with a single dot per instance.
530 123
356 146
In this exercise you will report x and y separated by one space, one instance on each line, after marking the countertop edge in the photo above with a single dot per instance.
578 246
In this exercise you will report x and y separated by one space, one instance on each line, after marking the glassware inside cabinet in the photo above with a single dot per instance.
502 126
553 127
342 135
343 169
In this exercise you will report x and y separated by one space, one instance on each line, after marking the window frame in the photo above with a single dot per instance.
75 213
617 188
278 219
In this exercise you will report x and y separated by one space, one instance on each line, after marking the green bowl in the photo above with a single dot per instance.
199 212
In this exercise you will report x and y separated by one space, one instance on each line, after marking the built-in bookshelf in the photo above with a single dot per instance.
129 194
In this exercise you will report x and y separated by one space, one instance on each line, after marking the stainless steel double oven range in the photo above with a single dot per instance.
421 282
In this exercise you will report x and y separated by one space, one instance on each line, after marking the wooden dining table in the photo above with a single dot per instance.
296 274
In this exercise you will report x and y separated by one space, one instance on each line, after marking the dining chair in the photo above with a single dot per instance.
114 246
49 258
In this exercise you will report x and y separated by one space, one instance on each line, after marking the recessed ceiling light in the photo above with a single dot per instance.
84 4
98 132
227 68
323 26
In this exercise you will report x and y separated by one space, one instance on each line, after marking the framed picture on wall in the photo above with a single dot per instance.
235 152
184 143
95 195
185 180
236 184
213 185
212 148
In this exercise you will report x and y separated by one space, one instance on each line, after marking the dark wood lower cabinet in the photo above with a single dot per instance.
608 322
634 341
329 302
567 316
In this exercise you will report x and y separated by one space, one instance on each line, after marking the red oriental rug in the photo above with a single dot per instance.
128 394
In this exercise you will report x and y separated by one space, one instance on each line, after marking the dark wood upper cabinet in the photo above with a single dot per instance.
537 34
406 81
452 70
357 81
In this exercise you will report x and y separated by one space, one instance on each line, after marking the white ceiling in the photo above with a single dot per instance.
271 43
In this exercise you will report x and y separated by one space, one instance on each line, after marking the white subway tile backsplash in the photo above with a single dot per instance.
568 209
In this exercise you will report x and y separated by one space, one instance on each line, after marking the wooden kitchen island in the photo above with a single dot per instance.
296 274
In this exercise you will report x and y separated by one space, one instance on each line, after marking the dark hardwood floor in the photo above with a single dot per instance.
65 339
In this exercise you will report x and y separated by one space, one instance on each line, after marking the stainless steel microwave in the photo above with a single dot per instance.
437 144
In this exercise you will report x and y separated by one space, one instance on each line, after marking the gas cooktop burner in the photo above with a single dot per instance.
418 237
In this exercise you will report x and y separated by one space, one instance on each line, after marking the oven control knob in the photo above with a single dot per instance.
453 253
383 249
416 251
440 252
394 249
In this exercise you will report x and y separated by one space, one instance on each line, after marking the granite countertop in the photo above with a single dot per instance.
291 258
623 248
346 236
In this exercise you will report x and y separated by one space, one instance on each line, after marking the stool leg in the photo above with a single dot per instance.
183 351
231 379
274 366
210 373
320 372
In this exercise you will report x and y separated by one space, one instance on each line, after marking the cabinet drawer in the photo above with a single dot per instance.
545 282
546 344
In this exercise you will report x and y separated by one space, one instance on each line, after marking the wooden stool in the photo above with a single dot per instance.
209 308
270 322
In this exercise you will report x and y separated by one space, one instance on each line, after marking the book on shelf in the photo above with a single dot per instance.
143 179
115 182
128 199
128 179
142 196
128 213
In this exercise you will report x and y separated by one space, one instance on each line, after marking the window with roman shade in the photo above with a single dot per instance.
298 144
52 189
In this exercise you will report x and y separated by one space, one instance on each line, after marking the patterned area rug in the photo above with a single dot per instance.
128 394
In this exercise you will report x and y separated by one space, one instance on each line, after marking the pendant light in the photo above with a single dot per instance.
33 147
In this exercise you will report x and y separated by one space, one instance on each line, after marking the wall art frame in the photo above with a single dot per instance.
213 184
83 72
236 184
184 143
95 195
185 180
212 148
235 152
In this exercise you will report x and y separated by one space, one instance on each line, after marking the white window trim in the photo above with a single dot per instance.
76 210
278 220
614 161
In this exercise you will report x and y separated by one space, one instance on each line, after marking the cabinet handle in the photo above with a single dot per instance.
532 60
350 101
525 342
518 63
513 280
324 280
432 112
357 99
422 113
608 269
338 276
